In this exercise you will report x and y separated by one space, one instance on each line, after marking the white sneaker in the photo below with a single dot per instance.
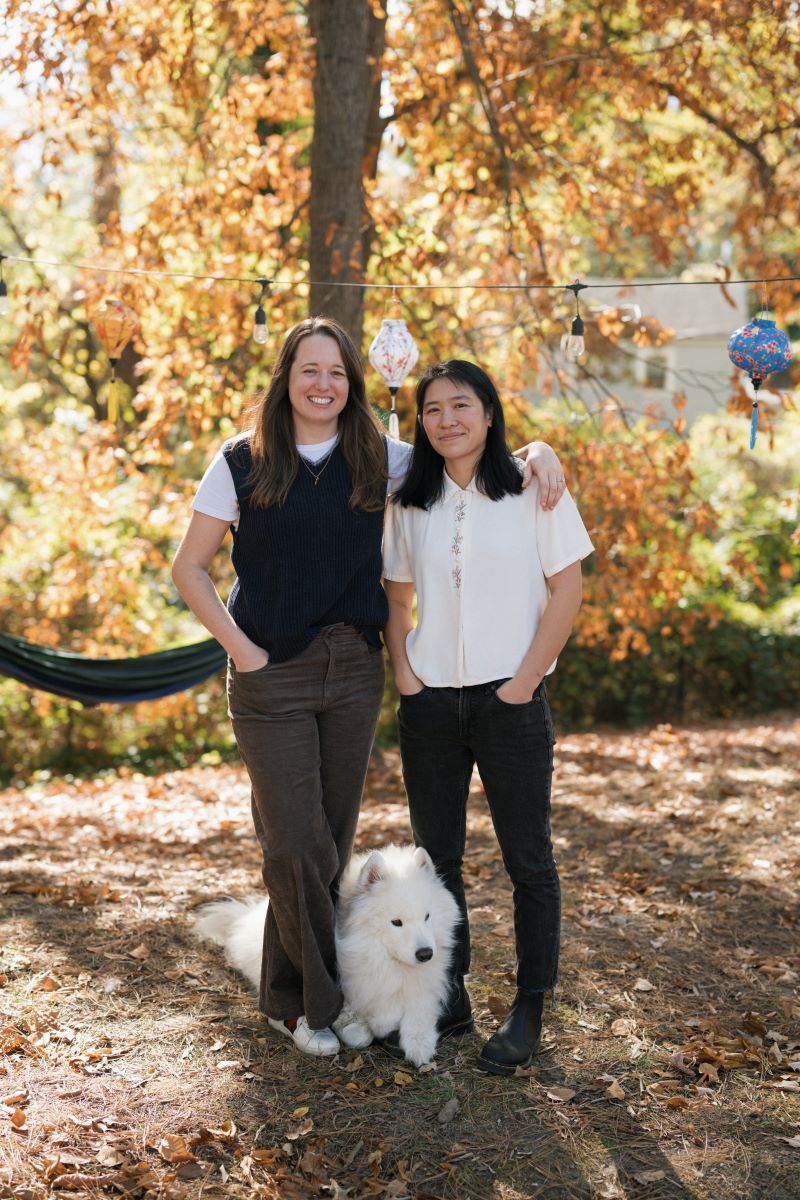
351 1030
310 1041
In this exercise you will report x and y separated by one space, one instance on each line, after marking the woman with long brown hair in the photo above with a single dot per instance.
303 491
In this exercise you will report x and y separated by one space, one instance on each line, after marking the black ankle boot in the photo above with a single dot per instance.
454 1020
517 1039
456 1016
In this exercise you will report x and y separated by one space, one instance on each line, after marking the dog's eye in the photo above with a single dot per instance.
397 921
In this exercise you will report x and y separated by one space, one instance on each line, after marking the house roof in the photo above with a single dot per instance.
693 312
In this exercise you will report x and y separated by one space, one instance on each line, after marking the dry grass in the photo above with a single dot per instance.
135 1063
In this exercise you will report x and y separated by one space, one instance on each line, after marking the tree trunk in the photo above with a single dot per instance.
106 199
347 131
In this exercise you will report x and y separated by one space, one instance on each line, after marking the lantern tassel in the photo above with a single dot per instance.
113 408
756 381
394 420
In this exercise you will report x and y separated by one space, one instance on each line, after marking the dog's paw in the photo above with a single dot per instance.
419 1047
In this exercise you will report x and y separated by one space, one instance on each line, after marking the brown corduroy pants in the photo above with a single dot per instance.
304 729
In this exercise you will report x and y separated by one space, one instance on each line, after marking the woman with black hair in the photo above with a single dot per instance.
498 587
303 492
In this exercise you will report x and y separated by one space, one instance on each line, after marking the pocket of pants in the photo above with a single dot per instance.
246 690
243 676
414 711
534 714
505 704
416 704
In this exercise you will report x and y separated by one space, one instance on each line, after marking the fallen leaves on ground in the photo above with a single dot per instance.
135 1061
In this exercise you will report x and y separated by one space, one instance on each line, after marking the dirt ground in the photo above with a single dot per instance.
133 1062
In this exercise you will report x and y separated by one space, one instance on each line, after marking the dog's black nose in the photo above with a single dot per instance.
424 954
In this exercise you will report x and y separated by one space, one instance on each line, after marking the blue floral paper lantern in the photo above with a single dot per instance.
760 349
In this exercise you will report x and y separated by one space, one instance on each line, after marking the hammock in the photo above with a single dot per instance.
109 680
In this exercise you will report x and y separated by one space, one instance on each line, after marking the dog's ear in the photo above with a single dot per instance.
422 859
373 869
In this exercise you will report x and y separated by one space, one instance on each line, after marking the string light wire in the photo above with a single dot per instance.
494 287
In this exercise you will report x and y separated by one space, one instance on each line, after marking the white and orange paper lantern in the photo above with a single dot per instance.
115 324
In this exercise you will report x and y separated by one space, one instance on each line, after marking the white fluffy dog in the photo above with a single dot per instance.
395 930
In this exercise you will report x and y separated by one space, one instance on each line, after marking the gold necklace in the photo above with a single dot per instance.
316 475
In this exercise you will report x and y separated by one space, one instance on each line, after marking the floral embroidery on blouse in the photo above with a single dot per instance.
455 545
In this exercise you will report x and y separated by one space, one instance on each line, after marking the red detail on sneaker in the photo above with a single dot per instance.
290 1023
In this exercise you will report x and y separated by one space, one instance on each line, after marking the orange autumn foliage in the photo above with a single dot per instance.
506 147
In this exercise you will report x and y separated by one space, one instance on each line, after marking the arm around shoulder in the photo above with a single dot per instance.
542 462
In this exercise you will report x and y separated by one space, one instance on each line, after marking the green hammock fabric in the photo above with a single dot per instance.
109 680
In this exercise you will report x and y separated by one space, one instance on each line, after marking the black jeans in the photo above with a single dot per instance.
444 732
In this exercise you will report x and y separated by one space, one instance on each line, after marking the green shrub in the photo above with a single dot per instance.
731 668
39 732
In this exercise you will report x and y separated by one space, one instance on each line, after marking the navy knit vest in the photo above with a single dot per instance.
307 563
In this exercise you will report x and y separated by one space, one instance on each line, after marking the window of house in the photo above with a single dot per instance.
655 371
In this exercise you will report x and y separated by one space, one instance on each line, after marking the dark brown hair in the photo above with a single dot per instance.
273 444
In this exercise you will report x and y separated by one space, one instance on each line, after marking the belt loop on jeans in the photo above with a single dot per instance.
338 629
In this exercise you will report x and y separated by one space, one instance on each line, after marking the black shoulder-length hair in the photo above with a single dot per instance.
496 474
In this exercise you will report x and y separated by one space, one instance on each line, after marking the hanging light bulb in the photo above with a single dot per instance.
393 354
573 343
5 307
260 330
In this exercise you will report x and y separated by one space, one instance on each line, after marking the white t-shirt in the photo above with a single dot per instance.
216 494
480 568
